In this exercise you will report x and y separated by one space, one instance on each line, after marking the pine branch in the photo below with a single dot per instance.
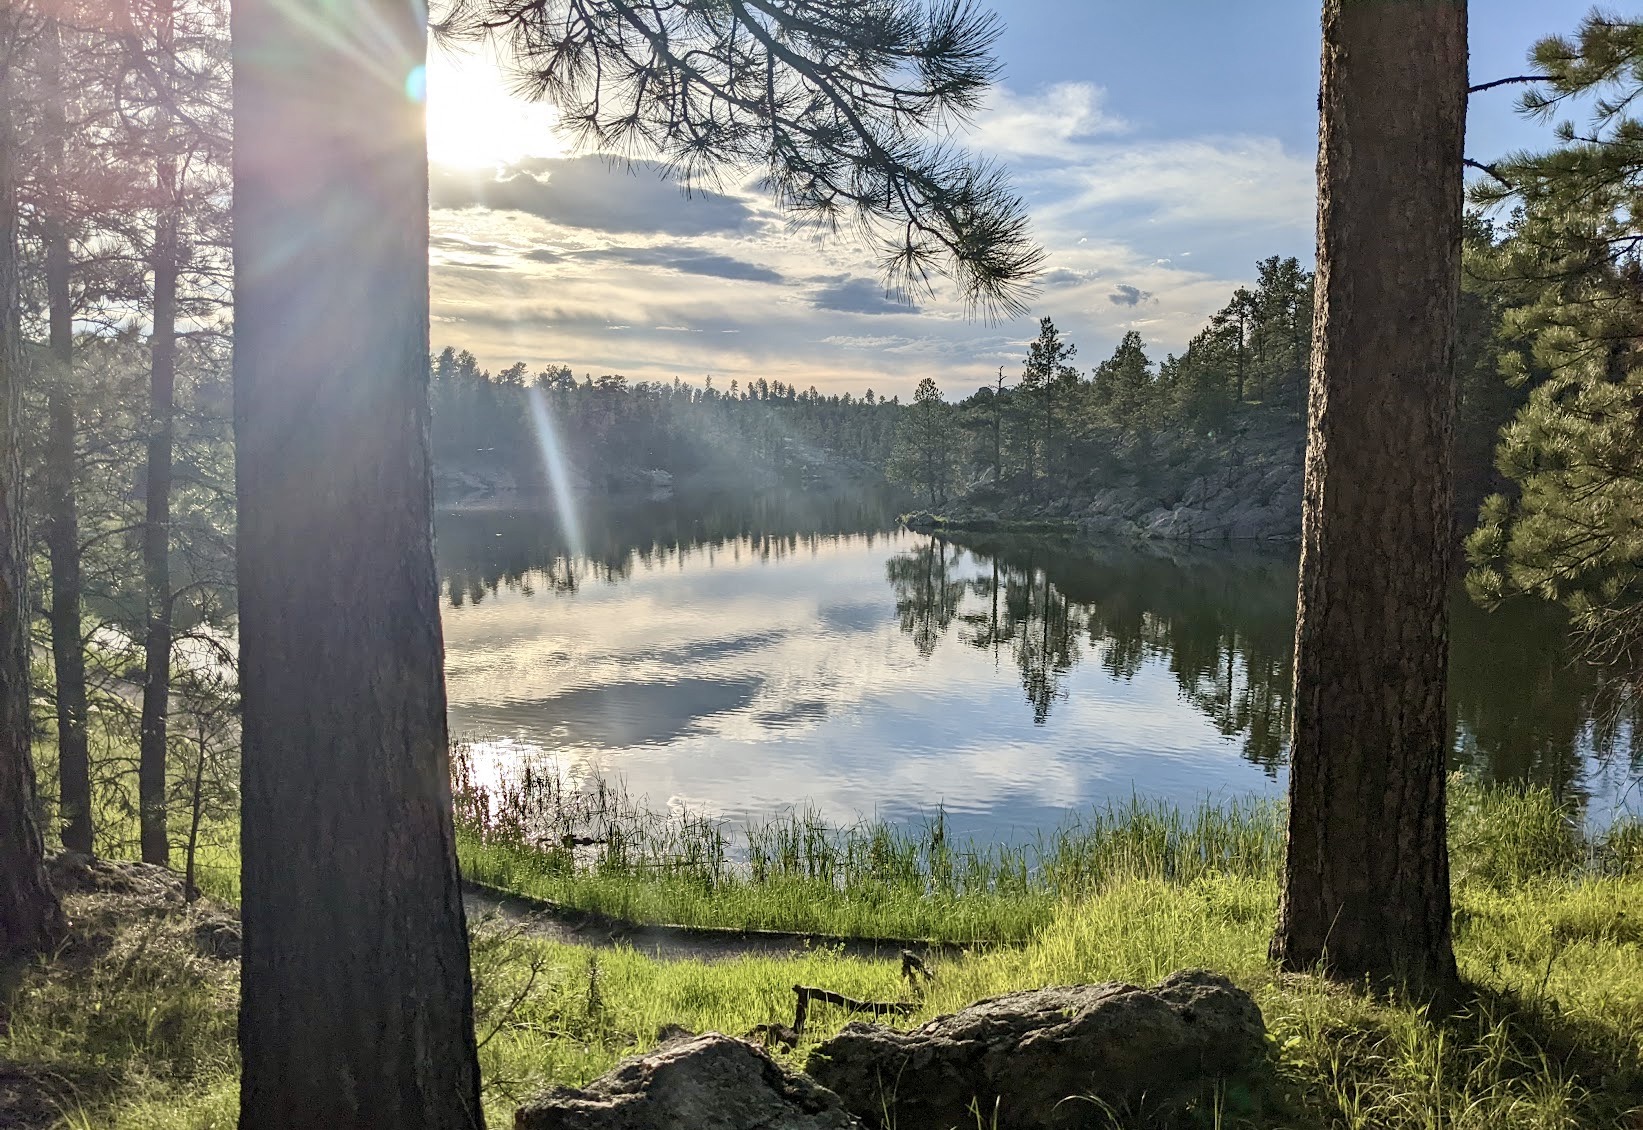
1491 170
1507 82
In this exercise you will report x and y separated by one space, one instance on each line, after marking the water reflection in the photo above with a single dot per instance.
1219 621
479 552
744 654
1522 709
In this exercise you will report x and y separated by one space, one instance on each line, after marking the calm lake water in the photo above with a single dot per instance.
738 657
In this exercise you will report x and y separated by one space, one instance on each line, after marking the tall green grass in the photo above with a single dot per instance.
797 872
1549 929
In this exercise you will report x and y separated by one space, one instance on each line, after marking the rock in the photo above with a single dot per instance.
218 936
711 1082
1046 1058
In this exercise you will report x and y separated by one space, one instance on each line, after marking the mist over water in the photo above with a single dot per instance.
742 656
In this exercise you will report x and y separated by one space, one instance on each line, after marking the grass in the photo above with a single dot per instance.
1549 930
528 833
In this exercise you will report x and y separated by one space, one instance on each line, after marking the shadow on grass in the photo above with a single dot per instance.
1492 1058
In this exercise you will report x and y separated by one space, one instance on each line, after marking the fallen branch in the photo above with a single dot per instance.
808 993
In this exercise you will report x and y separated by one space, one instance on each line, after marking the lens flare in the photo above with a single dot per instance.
553 461
416 84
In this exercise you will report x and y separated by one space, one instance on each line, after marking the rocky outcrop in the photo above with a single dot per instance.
1051 1058
74 873
1243 484
709 1082
474 487
125 888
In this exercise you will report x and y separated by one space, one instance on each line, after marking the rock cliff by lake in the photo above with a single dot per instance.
1242 483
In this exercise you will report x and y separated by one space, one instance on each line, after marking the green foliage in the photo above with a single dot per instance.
798 873
924 451
129 1024
1507 836
1573 531
609 427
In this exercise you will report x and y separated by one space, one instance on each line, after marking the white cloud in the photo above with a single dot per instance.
1047 125
570 248
1198 181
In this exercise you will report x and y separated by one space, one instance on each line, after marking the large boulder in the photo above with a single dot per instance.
1051 1058
709 1082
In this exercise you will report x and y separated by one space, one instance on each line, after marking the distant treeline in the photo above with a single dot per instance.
1048 427
610 427
1053 428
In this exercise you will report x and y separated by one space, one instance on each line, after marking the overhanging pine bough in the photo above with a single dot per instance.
845 108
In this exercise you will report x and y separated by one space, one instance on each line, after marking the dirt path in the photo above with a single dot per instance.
677 943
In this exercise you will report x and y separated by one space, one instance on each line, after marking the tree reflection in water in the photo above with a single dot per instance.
1222 620
1218 619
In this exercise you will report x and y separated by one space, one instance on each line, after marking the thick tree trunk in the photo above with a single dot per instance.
73 756
1366 884
30 918
151 770
357 1002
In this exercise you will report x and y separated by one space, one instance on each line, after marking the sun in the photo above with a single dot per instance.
474 122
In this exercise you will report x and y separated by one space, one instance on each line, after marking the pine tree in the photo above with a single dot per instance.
30 918
1044 392
1123 387
924 451
1366 876
1571 260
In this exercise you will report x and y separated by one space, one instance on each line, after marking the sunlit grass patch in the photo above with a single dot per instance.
1526 1050
1549 932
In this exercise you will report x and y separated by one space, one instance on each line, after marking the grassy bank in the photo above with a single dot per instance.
596 848
881 880
1549 928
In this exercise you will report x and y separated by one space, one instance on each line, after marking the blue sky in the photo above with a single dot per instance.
1162 147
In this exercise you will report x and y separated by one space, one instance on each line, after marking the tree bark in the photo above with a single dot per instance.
1366 883
356 995
151 769
63 528
30 918
162 379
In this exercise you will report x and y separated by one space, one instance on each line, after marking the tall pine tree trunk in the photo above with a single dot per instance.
1366 883
151 770
30 918
73 755
356 996
162 378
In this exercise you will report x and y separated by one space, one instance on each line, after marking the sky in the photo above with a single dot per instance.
1162 149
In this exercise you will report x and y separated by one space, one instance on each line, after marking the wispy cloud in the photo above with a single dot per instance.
592 192
1049 124
860 296
538 259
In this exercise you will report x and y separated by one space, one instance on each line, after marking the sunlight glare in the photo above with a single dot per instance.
553 460
474 122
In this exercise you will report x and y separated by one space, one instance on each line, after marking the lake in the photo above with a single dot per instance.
736 657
